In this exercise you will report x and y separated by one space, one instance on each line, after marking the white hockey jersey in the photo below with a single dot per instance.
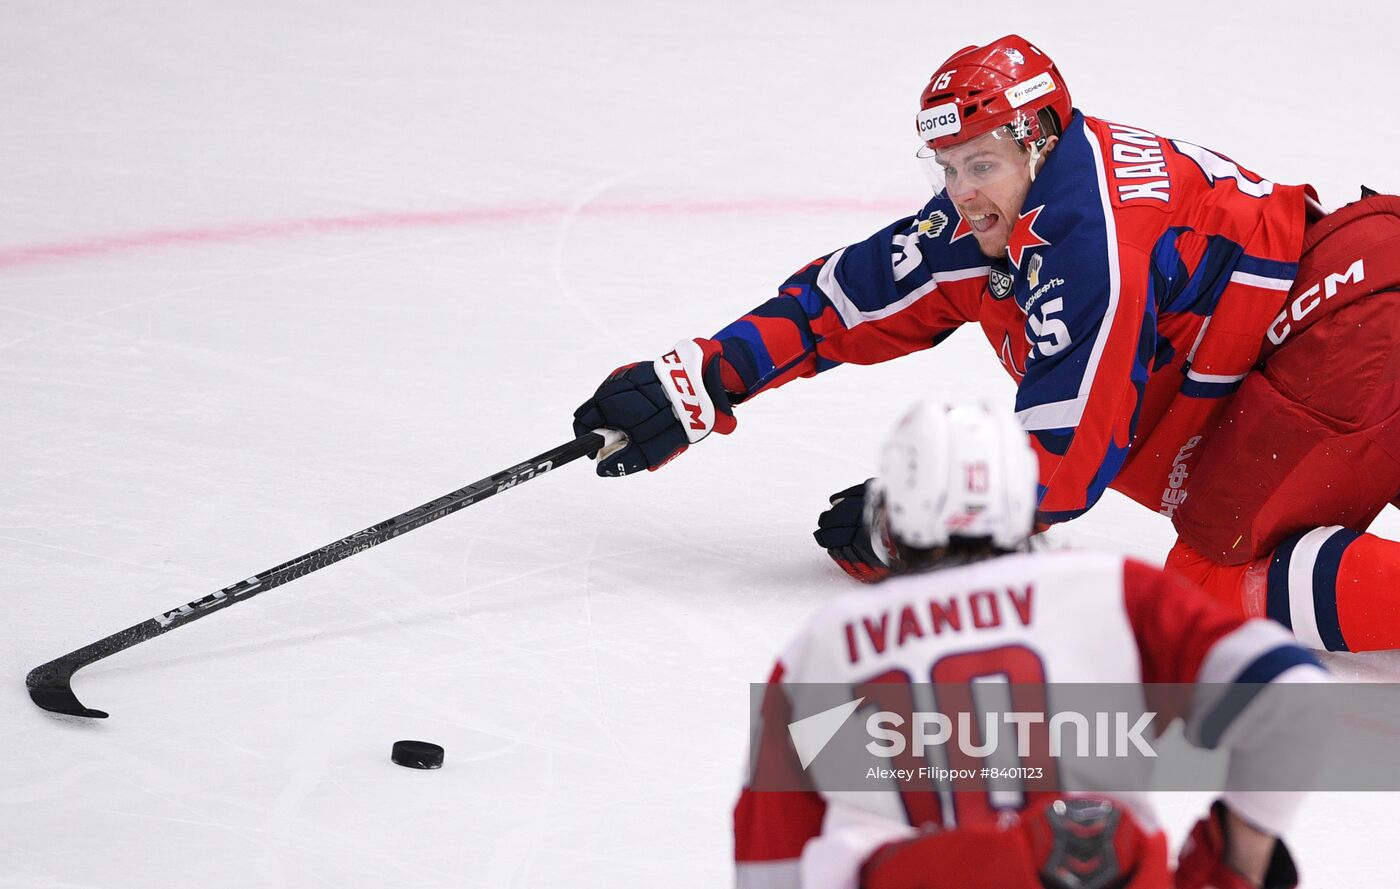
1062 617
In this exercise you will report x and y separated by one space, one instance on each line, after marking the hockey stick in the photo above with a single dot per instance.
51 684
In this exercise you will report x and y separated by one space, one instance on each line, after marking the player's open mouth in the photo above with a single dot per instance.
982 224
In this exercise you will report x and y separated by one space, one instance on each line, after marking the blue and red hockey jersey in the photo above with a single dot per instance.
1139 284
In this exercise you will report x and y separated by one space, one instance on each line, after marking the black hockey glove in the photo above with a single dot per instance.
662 406
842 530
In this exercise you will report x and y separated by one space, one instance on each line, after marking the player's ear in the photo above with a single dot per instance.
1037 154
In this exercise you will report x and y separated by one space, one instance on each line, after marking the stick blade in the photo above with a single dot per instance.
51 688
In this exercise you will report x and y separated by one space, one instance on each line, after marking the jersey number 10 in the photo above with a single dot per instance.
964 685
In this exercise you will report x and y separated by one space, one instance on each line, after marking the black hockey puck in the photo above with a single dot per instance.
417 754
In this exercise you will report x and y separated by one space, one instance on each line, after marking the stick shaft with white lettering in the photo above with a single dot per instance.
50 684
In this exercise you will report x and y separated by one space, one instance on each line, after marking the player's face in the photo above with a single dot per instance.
987 178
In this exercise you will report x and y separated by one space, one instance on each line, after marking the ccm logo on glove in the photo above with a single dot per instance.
692 404
680 382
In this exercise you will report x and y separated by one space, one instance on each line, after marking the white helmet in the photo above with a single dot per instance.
956 471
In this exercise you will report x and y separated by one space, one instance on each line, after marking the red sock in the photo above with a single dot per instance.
1368 594
1335 588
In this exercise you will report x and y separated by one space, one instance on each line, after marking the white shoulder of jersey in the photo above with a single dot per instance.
1066 606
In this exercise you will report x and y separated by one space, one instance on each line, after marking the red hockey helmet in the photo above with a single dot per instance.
1008 82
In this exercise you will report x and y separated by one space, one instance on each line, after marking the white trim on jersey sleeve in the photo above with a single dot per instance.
1214 378
1200 335
854 316
900 304
1236 672
1055 415
1067 414
831 289
980 271
1268 730
1276 735
1249 280
1236 650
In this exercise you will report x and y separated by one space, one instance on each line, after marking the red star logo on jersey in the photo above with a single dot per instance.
1024 237
962 229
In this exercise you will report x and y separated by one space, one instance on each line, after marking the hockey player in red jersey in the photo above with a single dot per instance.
1175 323
956 498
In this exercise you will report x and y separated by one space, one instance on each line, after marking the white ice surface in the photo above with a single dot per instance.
272 272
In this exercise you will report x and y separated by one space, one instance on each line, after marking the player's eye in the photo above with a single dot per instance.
983 168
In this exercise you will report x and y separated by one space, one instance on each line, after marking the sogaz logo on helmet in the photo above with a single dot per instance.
940 120
1034 88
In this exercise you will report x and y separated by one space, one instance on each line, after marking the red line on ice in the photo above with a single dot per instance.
97 245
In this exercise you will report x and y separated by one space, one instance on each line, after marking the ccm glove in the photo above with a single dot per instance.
663 407
846 537
1202 863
